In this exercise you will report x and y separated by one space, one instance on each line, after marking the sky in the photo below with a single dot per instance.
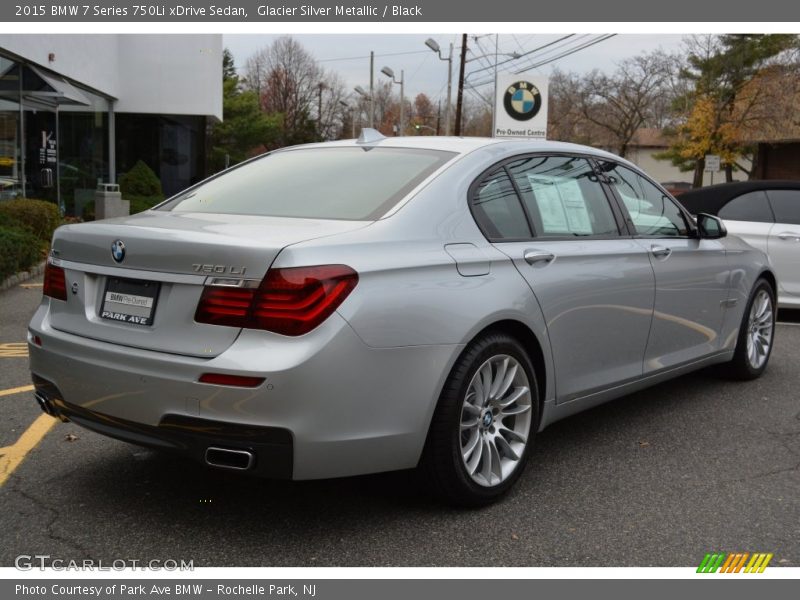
348 55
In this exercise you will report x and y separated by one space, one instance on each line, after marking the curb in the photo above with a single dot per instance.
22 276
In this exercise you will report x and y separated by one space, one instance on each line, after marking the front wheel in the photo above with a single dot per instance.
756 334
483 426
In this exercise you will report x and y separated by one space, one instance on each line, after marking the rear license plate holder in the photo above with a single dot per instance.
130 301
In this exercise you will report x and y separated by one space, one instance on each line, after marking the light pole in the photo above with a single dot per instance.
433 45
361 92
389 73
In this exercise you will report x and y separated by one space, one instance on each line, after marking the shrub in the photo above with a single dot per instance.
142 203
140 181
19 250
37 217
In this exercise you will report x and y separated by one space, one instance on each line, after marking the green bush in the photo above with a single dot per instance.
140 181
19 250
37 217
142 203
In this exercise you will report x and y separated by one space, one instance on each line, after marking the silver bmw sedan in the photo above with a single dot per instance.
387 303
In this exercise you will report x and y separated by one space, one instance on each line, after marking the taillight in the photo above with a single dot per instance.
289 301
55 282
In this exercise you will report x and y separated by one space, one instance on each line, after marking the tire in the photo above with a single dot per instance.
478 443
756 334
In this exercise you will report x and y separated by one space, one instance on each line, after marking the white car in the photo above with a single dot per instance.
765 214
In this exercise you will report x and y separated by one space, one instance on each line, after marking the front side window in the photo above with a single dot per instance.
653 213
359 184
563 197
786 204
752 206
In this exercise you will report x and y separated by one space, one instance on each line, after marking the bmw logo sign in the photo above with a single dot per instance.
522 101
118 251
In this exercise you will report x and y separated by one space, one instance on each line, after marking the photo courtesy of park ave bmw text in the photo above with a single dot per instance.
325 300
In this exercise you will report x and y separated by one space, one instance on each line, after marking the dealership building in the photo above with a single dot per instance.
79 110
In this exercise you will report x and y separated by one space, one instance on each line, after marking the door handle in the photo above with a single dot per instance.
536 256
789 236
660 251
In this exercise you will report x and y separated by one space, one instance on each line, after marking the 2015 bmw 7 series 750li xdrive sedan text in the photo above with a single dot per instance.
379 304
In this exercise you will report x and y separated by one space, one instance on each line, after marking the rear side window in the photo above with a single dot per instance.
653 212
563 197
497 209
752 206
359 184
786 204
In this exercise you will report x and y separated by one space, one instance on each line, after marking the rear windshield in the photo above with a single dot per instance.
357 184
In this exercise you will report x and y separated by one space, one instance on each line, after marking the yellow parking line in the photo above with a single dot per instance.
14 350
16 390
12 456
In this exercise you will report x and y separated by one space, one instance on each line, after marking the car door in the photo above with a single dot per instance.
750 217
552 217
692 275
783 245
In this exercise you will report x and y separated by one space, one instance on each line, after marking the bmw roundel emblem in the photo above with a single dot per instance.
522 100
118 251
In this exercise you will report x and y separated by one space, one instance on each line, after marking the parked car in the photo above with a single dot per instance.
766 214
378 304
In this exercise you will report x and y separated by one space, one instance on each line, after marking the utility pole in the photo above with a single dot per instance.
439 117
449 93
460 96
371 90
402 103
321 85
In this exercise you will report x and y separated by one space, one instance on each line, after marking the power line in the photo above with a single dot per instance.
563 52
528 53
560 56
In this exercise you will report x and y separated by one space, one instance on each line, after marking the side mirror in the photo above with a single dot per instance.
710 227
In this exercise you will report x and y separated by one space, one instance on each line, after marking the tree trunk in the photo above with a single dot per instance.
699 169
728 172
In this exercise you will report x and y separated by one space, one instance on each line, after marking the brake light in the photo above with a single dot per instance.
289 301
55 282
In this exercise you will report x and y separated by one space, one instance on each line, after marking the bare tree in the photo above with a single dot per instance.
621 103
287 79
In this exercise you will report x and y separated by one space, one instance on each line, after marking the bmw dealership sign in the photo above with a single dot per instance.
521 106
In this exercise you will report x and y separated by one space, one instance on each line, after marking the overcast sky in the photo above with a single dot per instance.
424 72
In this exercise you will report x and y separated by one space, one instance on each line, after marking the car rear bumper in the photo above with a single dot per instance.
331 404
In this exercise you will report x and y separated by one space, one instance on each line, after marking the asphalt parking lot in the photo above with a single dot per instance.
658 478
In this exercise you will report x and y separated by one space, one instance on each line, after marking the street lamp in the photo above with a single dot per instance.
390 74
369 97
433 45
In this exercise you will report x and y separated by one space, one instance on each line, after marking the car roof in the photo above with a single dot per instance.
712 198
464 145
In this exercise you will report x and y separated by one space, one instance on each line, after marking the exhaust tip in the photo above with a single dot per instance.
44 403
227 458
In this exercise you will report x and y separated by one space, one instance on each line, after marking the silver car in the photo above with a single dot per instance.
379 304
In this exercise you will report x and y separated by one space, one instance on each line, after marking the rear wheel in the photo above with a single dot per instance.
484 424
756 334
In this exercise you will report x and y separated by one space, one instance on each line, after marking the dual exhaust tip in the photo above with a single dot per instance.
224 458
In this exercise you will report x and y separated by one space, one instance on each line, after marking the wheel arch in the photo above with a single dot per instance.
770 277
532 346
